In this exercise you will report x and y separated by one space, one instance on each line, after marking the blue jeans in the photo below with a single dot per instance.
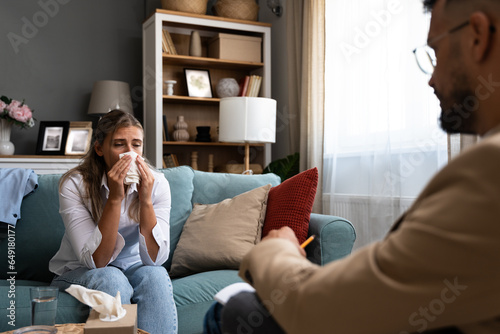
147 286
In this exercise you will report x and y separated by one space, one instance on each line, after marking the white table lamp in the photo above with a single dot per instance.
247 120
109 95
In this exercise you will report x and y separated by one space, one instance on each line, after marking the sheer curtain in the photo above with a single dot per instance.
306 69
382 139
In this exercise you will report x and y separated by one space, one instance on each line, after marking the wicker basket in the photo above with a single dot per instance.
237 9
189 6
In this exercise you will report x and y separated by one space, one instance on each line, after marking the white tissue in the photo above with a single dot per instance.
133 172
109 307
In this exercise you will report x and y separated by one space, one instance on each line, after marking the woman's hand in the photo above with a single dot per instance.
116 176
147 180
147 219
285 233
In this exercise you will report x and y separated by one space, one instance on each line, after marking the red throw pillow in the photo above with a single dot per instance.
290 204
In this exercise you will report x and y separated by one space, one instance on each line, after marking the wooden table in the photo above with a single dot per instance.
72 329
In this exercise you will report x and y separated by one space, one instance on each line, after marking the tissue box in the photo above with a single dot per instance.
126 325
235 47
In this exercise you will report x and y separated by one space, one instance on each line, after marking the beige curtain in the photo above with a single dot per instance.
306 69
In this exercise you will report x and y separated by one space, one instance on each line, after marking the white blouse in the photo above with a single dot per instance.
82 235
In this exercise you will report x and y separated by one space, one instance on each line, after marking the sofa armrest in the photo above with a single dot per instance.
335 238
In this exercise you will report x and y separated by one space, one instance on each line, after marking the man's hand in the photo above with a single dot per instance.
285 233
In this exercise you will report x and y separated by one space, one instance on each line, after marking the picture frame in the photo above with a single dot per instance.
78 142
198 82
52 136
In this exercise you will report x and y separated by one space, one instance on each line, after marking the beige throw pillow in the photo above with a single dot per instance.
217 236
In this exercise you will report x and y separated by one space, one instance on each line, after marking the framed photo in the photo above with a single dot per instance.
198 83
78 142
52 137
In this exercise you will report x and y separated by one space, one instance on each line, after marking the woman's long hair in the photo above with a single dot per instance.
93 166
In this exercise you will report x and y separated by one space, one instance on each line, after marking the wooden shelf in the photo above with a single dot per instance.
210 62
198 143
190 100
41 164
211 17
42 156
160 66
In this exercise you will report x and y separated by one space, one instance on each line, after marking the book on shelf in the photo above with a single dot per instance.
164 44
244 85
169 44
166 137
253 87
250 85
170 160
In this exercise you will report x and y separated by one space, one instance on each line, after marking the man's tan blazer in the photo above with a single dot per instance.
439 267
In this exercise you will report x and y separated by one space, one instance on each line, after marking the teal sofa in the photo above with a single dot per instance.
38 234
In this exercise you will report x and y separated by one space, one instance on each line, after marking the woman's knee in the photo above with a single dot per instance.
110 280
149 276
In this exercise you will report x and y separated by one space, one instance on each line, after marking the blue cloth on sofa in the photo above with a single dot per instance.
15 183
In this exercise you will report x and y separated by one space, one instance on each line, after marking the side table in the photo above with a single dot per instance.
73 329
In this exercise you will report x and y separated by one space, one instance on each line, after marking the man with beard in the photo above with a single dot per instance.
438 269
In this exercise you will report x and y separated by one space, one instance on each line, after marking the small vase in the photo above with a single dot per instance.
170 87
180 133
6 146
195 44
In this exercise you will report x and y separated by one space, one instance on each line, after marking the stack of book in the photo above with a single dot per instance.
168 45
250 85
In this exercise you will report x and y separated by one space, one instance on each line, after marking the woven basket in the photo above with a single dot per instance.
189 6
237 9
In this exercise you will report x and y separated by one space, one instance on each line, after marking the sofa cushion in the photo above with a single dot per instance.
217 236
180 180
194 295
210 188
38 233
290 204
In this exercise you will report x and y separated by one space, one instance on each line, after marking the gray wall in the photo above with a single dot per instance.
279 86
60 48
52 51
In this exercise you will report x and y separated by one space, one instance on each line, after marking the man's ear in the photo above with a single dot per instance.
482 35
98 149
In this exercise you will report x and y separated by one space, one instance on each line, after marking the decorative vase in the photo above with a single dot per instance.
203 134
227 87
195 44
170 86
6 146
180 133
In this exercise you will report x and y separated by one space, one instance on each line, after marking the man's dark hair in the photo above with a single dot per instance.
429 4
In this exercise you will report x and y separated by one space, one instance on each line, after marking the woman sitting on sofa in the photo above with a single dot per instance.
117 234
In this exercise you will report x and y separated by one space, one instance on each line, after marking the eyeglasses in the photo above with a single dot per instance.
425 56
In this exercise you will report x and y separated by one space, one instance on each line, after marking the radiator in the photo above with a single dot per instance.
372 217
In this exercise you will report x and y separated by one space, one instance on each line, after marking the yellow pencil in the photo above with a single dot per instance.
308 241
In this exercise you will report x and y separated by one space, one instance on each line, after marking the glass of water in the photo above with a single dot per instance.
43 305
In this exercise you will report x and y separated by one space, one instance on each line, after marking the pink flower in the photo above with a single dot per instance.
13 105
2 106
18 112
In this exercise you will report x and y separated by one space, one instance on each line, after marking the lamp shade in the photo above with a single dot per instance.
109 95
247 120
